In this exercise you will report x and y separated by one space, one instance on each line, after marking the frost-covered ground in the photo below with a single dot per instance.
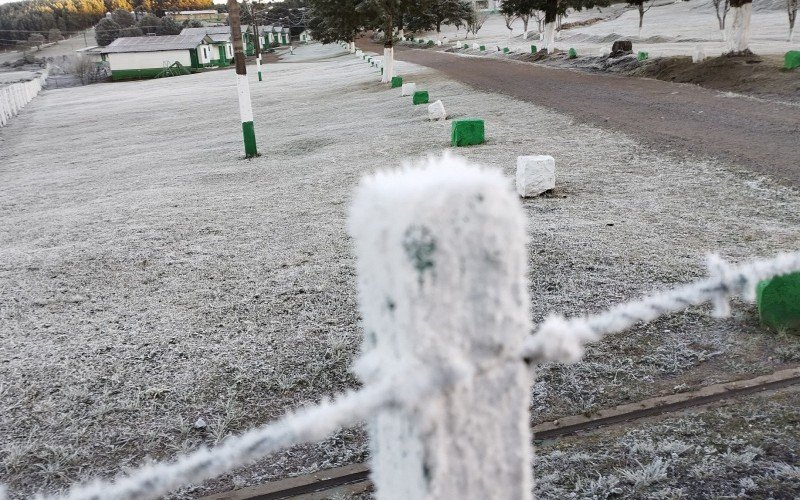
149 277
669 29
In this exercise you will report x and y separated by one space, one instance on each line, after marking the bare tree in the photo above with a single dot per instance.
509 19
476 20
791 8
721 7
640 6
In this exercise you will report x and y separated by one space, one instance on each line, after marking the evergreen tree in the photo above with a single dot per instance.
123 18
106 32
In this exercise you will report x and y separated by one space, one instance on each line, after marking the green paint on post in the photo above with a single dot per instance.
397 81
642 56
792 59
420 97
249 134
467 132
572 53
259 76
778 302
483 47
534 49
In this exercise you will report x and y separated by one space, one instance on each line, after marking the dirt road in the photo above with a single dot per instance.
758 135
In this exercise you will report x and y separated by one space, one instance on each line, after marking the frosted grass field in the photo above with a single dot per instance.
669 29
150 278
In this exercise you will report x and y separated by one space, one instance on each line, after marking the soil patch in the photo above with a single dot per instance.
762 76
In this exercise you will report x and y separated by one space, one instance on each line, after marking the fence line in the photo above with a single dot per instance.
560 339
14 97
476 201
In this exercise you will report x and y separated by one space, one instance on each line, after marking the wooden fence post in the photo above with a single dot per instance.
443 294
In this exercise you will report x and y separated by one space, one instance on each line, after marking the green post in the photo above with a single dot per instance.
572 53
792 59
467 132
778 302
420 97
533 49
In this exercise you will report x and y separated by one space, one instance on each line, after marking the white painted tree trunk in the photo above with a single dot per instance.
388 64
443 295
739 36
724 34
549 37
791 34
401 34
352 47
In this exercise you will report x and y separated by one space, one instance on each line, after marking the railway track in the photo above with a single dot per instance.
354 479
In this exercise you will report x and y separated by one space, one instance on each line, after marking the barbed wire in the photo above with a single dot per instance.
561 339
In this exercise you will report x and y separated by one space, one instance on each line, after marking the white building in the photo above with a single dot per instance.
153 56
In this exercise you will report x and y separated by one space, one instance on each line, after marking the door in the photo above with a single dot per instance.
193 57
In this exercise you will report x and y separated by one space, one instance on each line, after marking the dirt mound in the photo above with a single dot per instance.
756 75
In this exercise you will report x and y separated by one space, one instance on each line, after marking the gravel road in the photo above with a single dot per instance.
758 135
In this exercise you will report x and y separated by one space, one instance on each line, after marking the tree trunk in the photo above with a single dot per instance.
792 8
550 15
388 51
524 28
641 17
352 47
739 33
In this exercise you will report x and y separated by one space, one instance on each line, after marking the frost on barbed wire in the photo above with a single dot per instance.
560 339
442 290
304 425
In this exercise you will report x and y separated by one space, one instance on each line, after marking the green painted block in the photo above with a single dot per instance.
420 97
467 132
792 59
465 46
641 56
533 49
397 81
778 302
431 43
572 53
505 50
483 47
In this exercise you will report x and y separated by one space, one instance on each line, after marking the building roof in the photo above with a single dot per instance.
190 12
211 30
156 43
219 37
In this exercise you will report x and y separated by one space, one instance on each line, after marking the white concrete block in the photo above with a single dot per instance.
436 111
408 89
476 46
439 43
699 54
535 175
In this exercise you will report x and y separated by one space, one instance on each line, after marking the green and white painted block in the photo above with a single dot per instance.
534 49
642 56
420 97
792 59
397 81
246 115
572 53
467 132
778 302
483 47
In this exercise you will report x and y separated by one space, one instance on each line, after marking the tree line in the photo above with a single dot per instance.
20 20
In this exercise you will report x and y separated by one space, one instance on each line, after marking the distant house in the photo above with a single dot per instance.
153 56
198 15
304 36
94 53
267 35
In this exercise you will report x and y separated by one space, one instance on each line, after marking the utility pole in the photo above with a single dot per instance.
242 86
257 43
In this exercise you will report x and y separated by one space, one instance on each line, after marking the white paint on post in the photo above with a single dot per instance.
243 90
388 64
258 66
739 36
699 54
441 266
549 37
352 47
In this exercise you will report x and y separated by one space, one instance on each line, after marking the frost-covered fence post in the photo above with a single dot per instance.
442 286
